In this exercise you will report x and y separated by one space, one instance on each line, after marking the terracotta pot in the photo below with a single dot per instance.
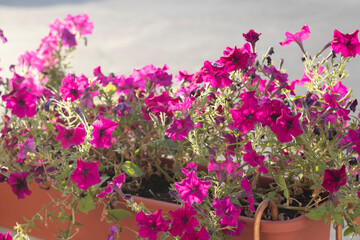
12 210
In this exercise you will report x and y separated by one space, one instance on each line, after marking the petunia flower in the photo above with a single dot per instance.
183 220
346 44
192 189
21 102
67 38
6 236
191 167
227 212
102 134
113 231
86 174
196 235
179 129
224 168
18 183
72 136
73 87
252 37
118 181
334 179
216 75
298 37
253 158
151 224
287 126
27 146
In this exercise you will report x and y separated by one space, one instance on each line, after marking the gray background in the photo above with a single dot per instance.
183 34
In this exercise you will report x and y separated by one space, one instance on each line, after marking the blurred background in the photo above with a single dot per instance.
183 34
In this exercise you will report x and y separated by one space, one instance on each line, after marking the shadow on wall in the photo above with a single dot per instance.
40 3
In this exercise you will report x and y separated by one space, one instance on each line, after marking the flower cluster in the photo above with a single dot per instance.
226 128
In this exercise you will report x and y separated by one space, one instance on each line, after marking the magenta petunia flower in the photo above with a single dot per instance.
224 168
275 74
216 75
6 236
73 87
183 220
253 158
298 37
113 231
160 104
196 235
86 174
72 136
346 44
158 76
334 179
192 189
21 102
287 126
249 113
226 211
252 37
118 181
234 59
27 146
151 224
102 134
80 23
179 129
191 167
18 183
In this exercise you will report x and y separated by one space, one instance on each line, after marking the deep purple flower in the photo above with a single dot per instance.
334 179
113 231
192 189
27 146
122 109
18 183
67 37
86 174
179 129
72 136
346 44
118 181
183 220
102 134
196 235
151 224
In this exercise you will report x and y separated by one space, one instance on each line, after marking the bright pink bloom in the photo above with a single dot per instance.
21 102
156 75
246 185
118 181
192 189
224 168
226 211
189 168
253 158
18 183
101 78
298 37
6 236
102 134
27 146
216 75
160 104
234 59
232 142
334 179
287 126
196 235
80 23
252 37
183 220
86 174
31 59
72 87
179 129
151 224
249 113
275 74
346 44
72 136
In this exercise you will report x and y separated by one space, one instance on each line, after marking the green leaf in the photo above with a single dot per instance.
132 169
339 219
348 231
282 184
86 203
170 144
118 214
315 214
